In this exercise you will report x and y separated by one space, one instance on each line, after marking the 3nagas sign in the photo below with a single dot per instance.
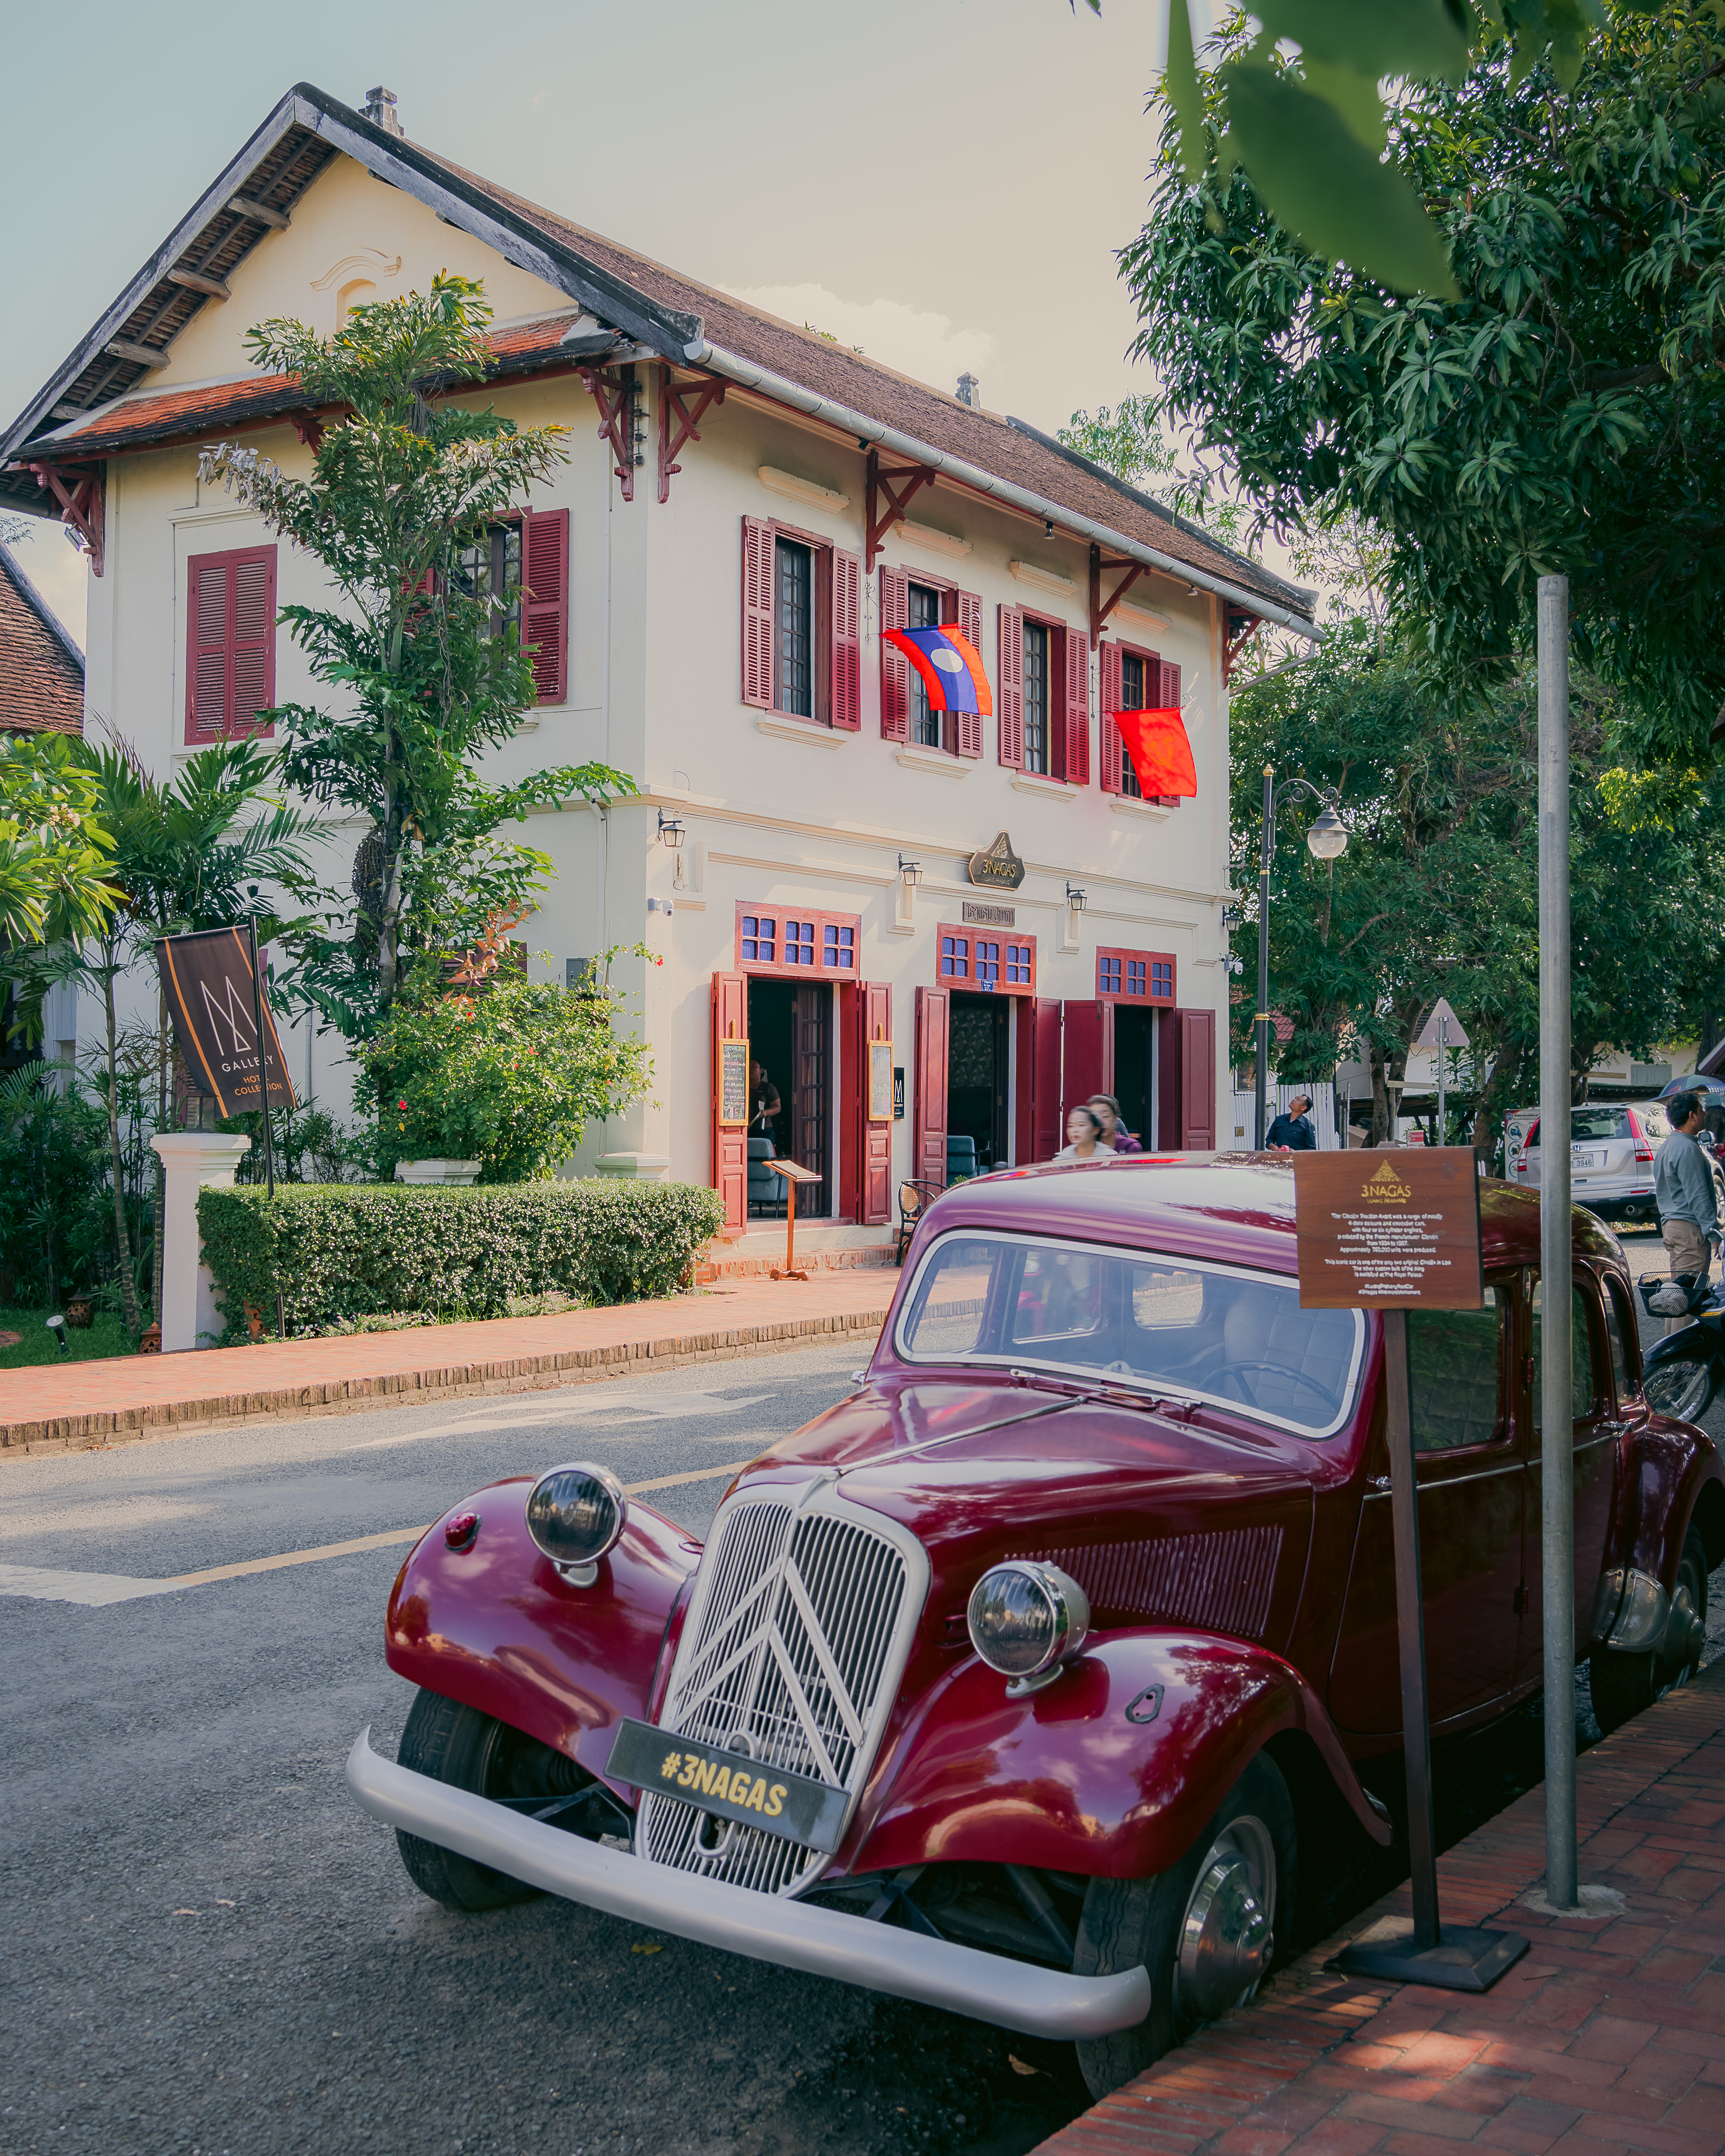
1379 1231
217 1006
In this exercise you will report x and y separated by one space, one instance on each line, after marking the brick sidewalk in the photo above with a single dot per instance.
102 1401
1608 2036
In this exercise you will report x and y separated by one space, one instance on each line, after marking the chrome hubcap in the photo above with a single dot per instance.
1227 1936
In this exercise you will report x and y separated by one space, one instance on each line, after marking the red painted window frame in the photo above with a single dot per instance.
230 729
1059 717
971 934
836 660
776 968
1149 960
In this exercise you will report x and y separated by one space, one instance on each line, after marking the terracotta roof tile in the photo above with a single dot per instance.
41 667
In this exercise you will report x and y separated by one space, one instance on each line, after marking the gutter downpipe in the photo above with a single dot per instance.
783 391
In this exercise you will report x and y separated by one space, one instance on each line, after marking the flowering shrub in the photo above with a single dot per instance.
509 1076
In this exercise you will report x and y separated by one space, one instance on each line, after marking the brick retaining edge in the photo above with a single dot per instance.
98 1428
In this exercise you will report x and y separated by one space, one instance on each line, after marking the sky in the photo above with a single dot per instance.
944 183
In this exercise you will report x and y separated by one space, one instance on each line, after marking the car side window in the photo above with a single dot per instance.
1583 1376
1455 1359
1625 1361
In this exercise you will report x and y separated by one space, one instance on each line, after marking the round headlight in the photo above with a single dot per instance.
1027 1621
575 1514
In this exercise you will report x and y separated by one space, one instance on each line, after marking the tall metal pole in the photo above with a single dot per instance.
1443 1057
264 1097
1263 1017
1556 1407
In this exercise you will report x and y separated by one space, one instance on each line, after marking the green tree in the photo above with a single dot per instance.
398 488
1563 412
54 850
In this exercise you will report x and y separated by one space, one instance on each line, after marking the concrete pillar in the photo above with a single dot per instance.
192 1158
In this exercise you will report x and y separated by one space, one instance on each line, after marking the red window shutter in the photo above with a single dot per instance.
1198 1079
1169 700
1077 772
895 667
230 642
545 601
1011 687
758 612
928 1150
1111 692
847 640
967 618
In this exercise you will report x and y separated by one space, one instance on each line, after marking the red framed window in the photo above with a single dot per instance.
1045 696
801 626
795 941
230 644
1132 680
992 961
916 598
1134 977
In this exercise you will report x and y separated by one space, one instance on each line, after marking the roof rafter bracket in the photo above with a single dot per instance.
78 488
887 482
1100 608
681 409
1243 628
619 404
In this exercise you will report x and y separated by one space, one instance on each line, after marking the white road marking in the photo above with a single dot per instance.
660 1407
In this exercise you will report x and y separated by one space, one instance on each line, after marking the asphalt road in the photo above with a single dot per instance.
209 1949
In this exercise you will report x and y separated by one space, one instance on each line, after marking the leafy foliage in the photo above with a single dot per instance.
1563 413
56 1225
55 879
353 1251
397 490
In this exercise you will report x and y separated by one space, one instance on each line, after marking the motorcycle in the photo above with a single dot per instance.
1682 1373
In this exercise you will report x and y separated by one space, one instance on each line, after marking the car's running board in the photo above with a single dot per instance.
1013 1994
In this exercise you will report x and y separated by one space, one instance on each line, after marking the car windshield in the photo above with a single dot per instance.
1134 1318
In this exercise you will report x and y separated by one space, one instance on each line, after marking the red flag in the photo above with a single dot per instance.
1161 754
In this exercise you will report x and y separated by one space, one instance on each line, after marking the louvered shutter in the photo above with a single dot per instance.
895 667
1111 690
230 642
967 618
758 612
1011 687
847 640
1169 700
1077 700
545 601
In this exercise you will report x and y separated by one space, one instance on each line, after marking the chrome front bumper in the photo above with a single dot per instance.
1013 1994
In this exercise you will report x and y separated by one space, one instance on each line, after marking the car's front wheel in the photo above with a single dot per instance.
473 1751
1622 1685
1204 1929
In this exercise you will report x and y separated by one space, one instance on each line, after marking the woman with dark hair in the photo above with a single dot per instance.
1115 1133
1084 1137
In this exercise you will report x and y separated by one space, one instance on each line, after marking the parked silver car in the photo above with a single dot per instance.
1611 1148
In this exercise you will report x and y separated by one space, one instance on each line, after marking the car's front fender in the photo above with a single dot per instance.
1111 1771
496 1627
1678 1482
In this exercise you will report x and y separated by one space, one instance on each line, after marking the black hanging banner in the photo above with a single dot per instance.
219 1006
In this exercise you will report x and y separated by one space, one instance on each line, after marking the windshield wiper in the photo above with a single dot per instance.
1117 1395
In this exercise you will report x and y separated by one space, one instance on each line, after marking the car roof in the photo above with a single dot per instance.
1236 1207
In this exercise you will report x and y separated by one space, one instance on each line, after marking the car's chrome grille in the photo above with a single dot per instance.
800 1631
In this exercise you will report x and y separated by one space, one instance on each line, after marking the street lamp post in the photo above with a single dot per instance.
1327 840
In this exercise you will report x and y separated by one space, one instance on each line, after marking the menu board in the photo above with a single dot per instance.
732 1082
880 1081
1389 1229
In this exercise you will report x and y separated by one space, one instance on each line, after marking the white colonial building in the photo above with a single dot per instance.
989 922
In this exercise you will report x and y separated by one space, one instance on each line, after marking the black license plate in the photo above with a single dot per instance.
727 1784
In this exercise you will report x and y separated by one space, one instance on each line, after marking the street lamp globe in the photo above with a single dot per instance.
1329 836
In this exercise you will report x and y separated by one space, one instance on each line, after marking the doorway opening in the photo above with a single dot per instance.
1135 1072
790 1032
977 1085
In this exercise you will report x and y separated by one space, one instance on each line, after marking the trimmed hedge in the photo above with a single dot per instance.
345 1250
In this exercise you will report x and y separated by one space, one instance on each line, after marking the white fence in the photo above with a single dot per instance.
1241 1128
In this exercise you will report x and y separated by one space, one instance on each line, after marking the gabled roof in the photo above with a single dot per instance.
685 322
41 667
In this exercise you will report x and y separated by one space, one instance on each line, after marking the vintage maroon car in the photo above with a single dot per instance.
1011 1683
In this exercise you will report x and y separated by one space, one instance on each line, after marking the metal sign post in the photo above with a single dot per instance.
263 1074
1402 1234
1443 1030
1556 1408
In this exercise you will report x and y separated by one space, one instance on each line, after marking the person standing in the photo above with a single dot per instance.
1084 1137
1115 1133
1292 1131
1684 1191
764 1096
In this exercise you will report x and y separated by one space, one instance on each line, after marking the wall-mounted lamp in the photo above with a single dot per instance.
1047 527
1075 898
910 873
670 831
1230 916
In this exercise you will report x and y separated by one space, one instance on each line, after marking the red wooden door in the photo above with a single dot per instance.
928 1152
1198 1079
876 1135
1088 1065
853 1078
730 1147
1038 1125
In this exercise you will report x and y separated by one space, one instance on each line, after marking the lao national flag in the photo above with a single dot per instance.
1161 754
949 666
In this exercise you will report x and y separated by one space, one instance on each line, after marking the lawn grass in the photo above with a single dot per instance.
107 1336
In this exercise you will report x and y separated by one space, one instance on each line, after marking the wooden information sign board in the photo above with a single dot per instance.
1395 1229
794 1173
732 1080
